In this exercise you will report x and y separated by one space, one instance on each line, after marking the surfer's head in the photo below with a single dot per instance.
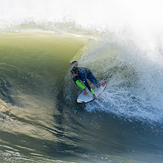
74 71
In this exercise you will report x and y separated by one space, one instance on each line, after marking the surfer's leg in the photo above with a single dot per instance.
92 78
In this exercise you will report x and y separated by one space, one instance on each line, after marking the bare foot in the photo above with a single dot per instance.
103 83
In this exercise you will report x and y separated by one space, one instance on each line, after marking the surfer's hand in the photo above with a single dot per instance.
94 96
85 92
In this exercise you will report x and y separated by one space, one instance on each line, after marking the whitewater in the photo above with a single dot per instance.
120 41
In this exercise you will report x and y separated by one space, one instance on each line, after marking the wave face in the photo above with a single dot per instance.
120 41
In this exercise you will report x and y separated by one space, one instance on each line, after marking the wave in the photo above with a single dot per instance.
121 43
134 88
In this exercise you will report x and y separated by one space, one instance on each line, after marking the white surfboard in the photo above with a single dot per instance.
89 97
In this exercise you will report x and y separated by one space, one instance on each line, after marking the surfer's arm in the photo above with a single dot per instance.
87 85
92 91
83 87
80 84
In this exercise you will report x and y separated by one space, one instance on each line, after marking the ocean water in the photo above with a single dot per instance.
120 41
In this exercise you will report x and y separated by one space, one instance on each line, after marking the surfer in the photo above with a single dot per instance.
82 74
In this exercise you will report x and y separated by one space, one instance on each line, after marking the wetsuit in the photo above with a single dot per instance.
83 75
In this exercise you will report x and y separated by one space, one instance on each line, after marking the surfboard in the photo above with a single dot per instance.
89 97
